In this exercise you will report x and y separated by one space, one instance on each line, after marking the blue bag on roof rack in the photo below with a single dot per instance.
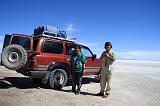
62 34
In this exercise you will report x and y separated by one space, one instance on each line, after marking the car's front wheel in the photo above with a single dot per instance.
57 79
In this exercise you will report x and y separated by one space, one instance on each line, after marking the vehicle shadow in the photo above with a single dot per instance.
26 83
18 82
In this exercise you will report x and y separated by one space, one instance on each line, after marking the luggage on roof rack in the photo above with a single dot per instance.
62 34
50 31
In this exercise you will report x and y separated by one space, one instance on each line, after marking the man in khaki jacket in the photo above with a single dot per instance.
108 58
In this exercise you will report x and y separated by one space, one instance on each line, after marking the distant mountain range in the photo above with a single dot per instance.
137 59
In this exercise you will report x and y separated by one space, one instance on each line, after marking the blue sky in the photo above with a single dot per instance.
133 26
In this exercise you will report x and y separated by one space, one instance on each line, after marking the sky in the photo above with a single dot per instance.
133 26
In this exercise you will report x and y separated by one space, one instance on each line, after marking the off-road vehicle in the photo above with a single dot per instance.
45 55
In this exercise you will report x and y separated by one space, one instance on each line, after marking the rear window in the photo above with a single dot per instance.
23 41
7 40
52 47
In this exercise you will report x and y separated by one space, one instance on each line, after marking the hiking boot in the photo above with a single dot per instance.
104 96
100 94
77 92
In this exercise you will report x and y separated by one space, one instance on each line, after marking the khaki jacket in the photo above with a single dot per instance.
107 63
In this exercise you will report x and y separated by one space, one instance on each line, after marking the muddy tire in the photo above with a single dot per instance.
14 57
57 79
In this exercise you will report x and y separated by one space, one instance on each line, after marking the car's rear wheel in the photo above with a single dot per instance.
57 79
14 57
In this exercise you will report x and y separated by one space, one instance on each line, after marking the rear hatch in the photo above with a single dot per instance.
23 40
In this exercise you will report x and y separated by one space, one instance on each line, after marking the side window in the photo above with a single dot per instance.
86 52
69 48
23 41
52 47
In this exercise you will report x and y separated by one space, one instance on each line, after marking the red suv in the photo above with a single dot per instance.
45 57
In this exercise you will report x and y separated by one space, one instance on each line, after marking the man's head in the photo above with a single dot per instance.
77 49
108 46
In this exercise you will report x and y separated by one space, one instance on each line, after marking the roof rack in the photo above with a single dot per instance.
54 37
52 33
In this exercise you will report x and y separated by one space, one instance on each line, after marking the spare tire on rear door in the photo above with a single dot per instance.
14 57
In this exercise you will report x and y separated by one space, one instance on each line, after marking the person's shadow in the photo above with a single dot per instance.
86 80
87 93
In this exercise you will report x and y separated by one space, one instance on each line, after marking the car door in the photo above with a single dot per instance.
51 51
92 66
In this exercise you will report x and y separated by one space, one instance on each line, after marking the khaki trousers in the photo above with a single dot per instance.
106 75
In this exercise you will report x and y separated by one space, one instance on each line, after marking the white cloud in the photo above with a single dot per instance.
90 44
1 45
139 55
1 37
69 28
1 42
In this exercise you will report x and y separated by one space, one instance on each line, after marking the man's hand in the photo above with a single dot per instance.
107 55
84 71
110 56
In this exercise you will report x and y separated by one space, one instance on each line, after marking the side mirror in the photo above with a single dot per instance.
94 56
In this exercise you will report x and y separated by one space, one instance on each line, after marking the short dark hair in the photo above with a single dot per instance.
108 44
